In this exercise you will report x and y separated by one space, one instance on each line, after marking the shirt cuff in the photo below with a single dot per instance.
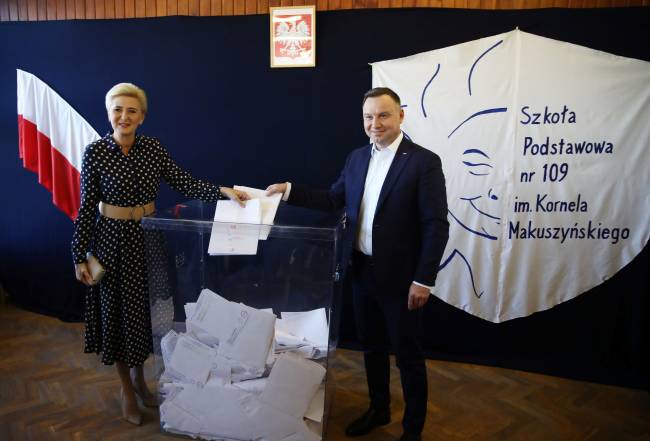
285 196
430 287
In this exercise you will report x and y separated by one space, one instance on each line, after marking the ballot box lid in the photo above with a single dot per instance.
290 221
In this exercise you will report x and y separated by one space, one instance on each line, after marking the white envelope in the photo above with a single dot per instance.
292 384
209 314
176 419
222 413
167 346
255 386
220 372
192 359
317 406
271 423
236 229
189 310
269 205
310 325
249 334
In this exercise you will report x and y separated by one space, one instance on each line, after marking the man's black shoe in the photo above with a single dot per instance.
368 421
406 436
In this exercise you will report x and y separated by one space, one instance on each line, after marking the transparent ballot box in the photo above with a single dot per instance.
244 319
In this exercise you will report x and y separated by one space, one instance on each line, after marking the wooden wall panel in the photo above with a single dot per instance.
263 6
140 8
13 10
70 11
150 8
119 9
4 11
89 8
33 10
22 10
193 7
60 9
109 8
51 9
183 7
129 8
161 8
227 7
204 8
99 9
79 9
41 10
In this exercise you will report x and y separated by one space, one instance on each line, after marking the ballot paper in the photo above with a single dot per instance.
168 388
191 359
236 229
317 406
255 386
248 336
219 411
208 318
202 336
177 419
242 373
310 325
315 428
286 342
222 390
189 309
292 384
269 205
167 346
222 413
220 371
270 423
305 434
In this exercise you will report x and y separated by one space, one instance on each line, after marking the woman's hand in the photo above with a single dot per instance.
235 195
83 274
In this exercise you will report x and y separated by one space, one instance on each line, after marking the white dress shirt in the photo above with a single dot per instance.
380 161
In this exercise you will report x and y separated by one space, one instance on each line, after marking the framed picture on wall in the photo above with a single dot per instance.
293 36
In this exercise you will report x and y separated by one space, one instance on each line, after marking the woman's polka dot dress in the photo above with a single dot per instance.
118 322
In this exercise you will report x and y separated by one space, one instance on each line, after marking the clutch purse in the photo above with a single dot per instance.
96 269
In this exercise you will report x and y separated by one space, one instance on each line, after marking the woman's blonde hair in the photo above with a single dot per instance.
127 89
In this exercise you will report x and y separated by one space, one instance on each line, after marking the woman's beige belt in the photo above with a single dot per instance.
127 213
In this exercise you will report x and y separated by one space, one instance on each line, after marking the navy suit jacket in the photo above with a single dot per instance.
410 227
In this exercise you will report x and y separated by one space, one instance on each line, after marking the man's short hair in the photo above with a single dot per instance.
379 91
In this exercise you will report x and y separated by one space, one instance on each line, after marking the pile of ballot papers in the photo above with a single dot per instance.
240 373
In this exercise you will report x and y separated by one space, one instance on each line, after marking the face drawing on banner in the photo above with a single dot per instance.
475 207
543 146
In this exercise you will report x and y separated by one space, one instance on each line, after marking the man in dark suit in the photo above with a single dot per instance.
393 193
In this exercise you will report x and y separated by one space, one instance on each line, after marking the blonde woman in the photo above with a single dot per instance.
120 178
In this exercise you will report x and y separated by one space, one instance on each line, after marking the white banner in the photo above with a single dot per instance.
545 147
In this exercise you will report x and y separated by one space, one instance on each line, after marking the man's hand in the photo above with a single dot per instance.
276 188
235 195
83 274
418 296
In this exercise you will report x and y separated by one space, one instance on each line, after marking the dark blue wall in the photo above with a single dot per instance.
226 116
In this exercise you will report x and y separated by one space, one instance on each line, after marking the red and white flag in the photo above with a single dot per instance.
52 137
